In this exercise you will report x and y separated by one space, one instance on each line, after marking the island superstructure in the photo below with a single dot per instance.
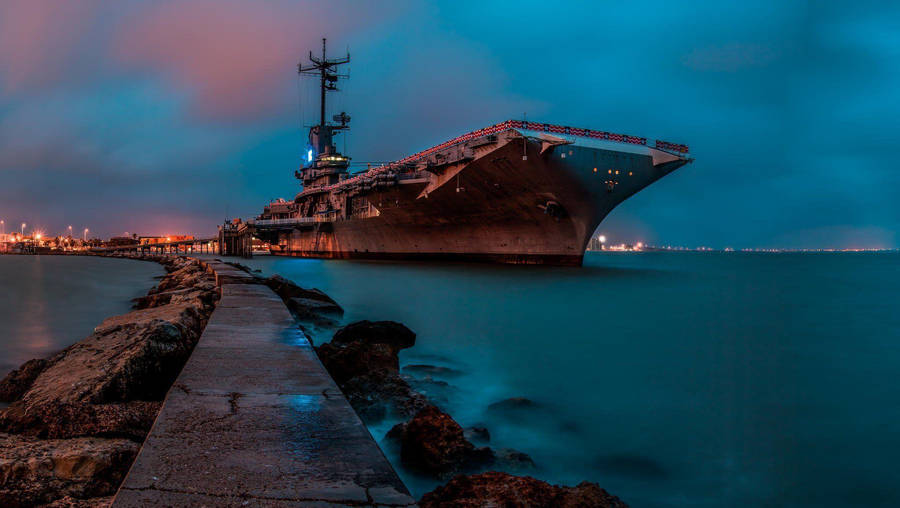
515 192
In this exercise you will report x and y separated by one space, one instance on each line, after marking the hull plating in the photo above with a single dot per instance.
496 208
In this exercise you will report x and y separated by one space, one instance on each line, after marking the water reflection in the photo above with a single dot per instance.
671 379
50 302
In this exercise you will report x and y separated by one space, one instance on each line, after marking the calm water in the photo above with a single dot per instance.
50 302
672 379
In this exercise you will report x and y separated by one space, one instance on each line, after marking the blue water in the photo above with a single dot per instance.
672 379
50 302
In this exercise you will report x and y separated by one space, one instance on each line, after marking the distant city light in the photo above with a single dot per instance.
602 239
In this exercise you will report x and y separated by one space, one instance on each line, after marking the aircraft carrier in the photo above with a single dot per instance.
515 192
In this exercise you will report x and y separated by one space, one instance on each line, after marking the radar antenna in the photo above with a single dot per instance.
324 165
327 71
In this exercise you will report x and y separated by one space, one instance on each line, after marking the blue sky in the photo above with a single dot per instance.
163 117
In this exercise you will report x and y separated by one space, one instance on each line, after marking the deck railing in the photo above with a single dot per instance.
504 126
295 220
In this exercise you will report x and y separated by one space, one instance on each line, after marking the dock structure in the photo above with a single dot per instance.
235 239
255 419
199 246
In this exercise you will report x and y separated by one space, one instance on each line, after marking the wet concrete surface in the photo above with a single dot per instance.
255 420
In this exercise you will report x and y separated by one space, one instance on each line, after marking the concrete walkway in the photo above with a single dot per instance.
254 419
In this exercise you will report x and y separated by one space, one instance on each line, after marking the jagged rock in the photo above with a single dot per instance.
390 333
432 442
71 502
373 395
129 358
344 362
508 459
308 308
437 391
187 274
201 294
477 433
362 359
512 404
506 490
17 382
36 471
286 289
63 420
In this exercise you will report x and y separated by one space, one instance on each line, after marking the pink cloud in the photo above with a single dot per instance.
234 59
39 40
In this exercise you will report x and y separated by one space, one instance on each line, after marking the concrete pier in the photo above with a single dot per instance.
254 419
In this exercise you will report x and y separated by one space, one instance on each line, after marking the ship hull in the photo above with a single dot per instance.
498 207
448 257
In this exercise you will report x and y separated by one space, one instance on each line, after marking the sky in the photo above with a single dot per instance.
166 117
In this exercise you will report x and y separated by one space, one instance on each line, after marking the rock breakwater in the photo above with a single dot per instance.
76 419
362 358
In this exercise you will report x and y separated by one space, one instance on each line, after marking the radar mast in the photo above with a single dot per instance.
324 165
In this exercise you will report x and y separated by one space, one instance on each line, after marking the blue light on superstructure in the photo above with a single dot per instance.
309 155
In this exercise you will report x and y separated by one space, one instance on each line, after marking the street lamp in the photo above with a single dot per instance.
70 231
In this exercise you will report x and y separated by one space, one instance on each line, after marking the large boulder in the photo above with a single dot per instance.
131 359
79 416
183 275
308 308
203 294
58 420
432 442
390 333
512 404
36 471
345 362
73 502
17 382
287 289
506 490
376 395
362 359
